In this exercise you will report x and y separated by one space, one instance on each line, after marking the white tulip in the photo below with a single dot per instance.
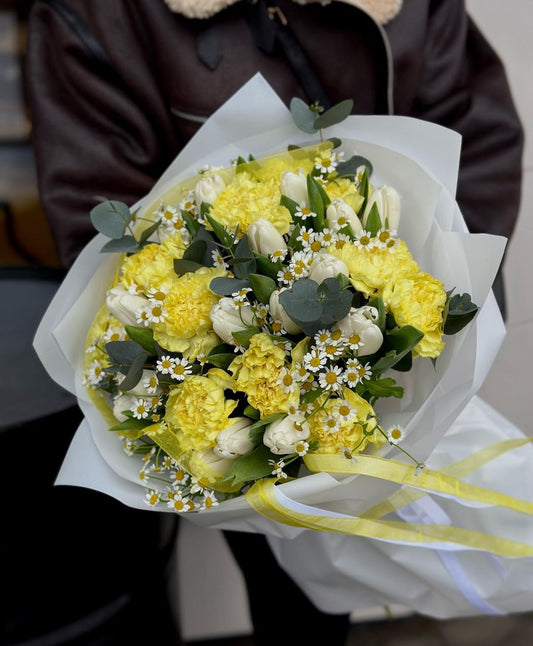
218 464
294 186
278 313
227 319
234 440
122 403
208 188
264 238
282 436
339 213
124 305
324 266
359 325
387 201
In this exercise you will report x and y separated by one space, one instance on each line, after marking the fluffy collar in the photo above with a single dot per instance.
381 10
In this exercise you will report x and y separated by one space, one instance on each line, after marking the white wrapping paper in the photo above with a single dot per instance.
440 413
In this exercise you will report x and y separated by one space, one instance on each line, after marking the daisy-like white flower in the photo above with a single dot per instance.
217 259
114 334
278 468
314 360
188 204
302 447
90 348
95 373
279 254
287 381
180 369
326 237
261 312
285 276
327 163
395 434
344 411
151 498
165 364
332 423
179 477
240 297
294 413
128 447
391 244
166 462
157 293
148 456
299 268
151 384
168 214
141 316
155 312
139 408
347 453
304 212
363 240
277 327
198 485
356 372
178 502
331 378
209 500
239 349
354 342
144 475
136 290
300 372
306 236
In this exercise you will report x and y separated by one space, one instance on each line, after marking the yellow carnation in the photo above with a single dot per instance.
274 167
187 327
372 269
419 300
349 434
196 412
153 265
345 189
246 199
257 372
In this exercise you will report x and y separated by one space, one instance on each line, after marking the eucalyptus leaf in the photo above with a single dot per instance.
111 218
124 352
182 266
303 117
262 287
148 231
243 336
134 374
349 167
252 466
227 286
126 244
196 251
461 310
334 115
143 336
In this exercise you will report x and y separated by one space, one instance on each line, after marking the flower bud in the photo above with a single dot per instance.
226 319
324 266
234 440
282 436
359 328
278 313
387 201
208 188
124 305
339 213
122 403
220 465
264 238
294 186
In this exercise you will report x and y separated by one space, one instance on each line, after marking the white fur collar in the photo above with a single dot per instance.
381 10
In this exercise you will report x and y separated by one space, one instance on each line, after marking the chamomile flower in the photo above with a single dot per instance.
347 453
151 383
128 447
285 276
114 334
95 373
326 237
287 381
188 204
179 477
314 360
152 498
303 212
363 240
344 411
277 327
155 312
139 408
305 236
209 500
331 378
167 214
198 485
302 448
327 163
178 502
279 254
300 372
141 316
157 294
90 348
395 434
355 372
240 297
180 369
165 364
144 475
217 259
166 462
331 423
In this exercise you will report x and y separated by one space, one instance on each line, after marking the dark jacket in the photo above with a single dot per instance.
117 88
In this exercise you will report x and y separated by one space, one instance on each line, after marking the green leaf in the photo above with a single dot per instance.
383 388
310 396
316 203
124 352
349 167
378 304
303 117
252 466
111 218
135 373
131 424
243 336
196 251
182 266
262 287
461 310
148 231
335 141
289 204
220 232
243 251
125 244
144 336
373 222
221 359
266 267
396 345
227 286
251 412
192 225
334 115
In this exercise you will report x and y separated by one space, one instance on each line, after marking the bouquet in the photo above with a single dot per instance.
271 333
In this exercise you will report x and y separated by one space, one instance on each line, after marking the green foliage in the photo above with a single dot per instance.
111 218
460 311
143 336
349 167
262 287
396 345
307 118
252 466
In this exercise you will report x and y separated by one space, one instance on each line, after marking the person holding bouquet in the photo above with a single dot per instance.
117 89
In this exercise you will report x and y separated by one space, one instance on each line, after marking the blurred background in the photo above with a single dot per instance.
27 252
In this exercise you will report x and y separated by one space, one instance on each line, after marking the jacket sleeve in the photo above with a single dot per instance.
97 133
464 86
